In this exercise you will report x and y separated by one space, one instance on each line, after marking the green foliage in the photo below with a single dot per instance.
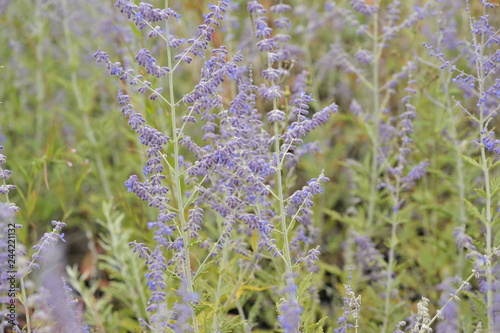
71 151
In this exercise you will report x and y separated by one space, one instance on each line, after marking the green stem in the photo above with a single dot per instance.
374 170
454 296
390 265
177 180
25 301
40 86
460 171
282 212
218 294
483 133
140 287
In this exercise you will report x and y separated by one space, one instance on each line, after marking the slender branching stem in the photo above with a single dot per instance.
483 133
281 199
177 180
465 283
374 170
39 73
392 246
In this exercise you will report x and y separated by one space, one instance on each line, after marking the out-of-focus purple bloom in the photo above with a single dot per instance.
156 279
290 318
255 7
195 220
266 44
282 23
5 174
280 8
311 257
290 308
54 298
368 257
182 311
449 315
393 12
301 103
304 196
351 307
262 30
355 108
46 243
300 83
276 116
400 325
271 92
416 173
462 239
362 7
301 128
364 56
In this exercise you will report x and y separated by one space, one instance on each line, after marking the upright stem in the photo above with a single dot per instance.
489 293
375 120
282 212
220 281
177 179
485 168
460 173
390 264
40 86
25 303
292 294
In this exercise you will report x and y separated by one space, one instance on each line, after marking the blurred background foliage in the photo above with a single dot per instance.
71 150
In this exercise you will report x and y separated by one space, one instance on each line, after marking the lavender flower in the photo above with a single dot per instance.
194 221
46 243
416 173
276 116
364 56
55 306
4 187
351 307
363 8
463 241
234 167
449 314
368 257
289 308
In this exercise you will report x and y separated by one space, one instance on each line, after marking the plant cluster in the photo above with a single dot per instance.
326 166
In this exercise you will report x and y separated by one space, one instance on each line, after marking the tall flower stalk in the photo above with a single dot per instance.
479 85
377 47
238 174
484 119
398 179
177 177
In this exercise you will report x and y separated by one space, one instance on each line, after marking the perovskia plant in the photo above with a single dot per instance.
231 143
